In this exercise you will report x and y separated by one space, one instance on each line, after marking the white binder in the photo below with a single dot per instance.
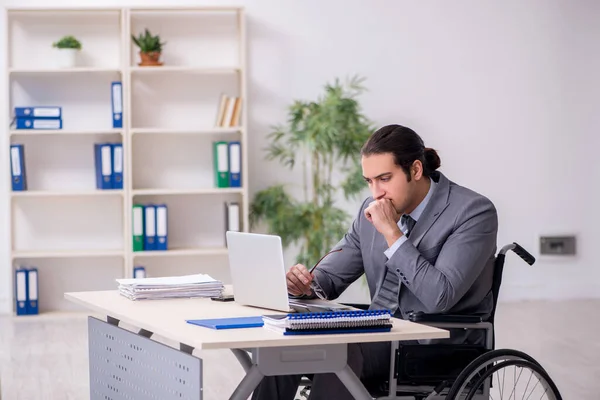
233 216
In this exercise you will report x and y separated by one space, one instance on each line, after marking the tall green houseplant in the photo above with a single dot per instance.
324 138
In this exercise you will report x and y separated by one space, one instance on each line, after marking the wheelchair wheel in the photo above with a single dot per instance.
524 380
501 373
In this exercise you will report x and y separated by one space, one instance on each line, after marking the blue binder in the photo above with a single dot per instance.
139 272
228 323
32 298
38 112
235 164
161 227
117 104
117 159
150 227
103 159
21 291
38 123
17 167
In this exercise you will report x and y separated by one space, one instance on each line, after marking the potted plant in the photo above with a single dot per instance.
324 138
68 47
150 48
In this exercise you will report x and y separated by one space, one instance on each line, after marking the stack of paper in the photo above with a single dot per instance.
200 285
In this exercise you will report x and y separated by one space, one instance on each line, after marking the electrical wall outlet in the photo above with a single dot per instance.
557 245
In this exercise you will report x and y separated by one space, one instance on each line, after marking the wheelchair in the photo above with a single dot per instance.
455 371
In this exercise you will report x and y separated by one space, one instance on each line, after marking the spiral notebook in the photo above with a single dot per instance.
328 322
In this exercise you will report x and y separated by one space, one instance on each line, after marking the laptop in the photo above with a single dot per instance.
258 271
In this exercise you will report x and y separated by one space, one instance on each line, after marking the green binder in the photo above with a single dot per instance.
137 219
221 164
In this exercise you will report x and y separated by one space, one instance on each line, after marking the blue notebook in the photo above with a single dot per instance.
330 322
228 323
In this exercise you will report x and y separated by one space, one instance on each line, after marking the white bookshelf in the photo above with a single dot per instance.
79 237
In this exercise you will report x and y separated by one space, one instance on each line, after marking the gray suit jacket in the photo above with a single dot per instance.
446 265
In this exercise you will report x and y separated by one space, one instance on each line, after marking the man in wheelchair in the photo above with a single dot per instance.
424 243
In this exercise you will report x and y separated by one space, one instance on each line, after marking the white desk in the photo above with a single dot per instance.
272 353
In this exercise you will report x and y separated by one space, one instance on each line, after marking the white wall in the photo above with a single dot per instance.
506 91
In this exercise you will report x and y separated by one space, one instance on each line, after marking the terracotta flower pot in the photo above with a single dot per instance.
150 59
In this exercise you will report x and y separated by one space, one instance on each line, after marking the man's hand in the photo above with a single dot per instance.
382 214
298 280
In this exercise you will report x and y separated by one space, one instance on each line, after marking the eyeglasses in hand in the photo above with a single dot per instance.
316 288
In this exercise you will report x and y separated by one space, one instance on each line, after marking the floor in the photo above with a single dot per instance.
45 357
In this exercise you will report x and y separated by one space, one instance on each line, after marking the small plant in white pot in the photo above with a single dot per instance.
68 47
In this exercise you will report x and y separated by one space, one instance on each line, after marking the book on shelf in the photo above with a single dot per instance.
229 111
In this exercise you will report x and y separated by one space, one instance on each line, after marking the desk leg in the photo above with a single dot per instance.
248 384
243 357
294 360
353 384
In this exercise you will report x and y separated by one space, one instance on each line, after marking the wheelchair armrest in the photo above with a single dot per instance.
420 316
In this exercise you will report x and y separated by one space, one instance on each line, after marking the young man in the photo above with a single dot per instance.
424 244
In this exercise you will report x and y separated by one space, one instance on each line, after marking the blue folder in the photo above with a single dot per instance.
33 292
228 323
116 95
104 165
21 291
235 164
39 112
38 123
161 227
17 167
117 168
150 227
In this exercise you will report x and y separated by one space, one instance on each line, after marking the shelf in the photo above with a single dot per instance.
194 38
30 132
66 193
42 71
85 99
178 101
182 252
167 131
56 276
79 237
185 69
136 10
67 254
175 192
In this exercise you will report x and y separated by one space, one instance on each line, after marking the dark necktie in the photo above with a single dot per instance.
387 297
408 222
